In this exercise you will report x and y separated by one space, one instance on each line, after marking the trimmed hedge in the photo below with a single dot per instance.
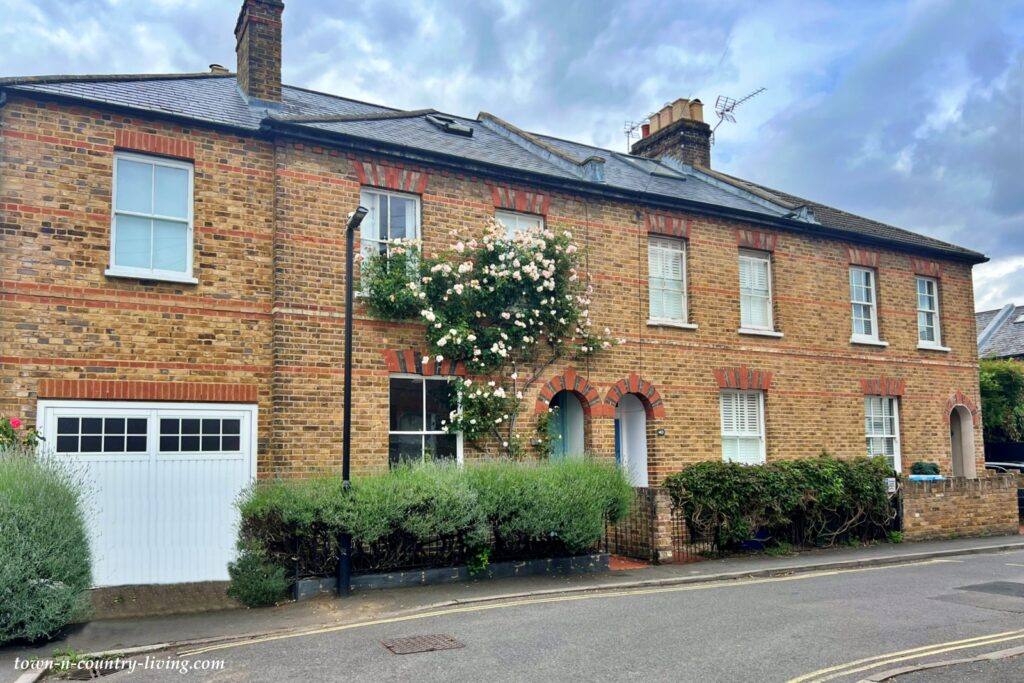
809 502
435 514
45 569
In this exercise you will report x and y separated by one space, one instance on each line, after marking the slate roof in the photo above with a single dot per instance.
1007 339
216 99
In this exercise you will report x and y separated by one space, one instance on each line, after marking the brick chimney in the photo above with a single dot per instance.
677 131
258 47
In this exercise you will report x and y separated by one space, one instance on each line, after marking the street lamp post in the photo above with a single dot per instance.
345 542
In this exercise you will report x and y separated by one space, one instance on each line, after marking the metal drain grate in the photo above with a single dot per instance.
1007 588
408 646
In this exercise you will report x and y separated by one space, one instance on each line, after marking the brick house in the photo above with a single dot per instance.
172 269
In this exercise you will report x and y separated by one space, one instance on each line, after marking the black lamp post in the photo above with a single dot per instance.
345 542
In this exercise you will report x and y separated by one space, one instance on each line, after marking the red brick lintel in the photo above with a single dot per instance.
89 389
742 378
155 144
883 386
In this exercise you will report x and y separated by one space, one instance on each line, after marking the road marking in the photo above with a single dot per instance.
546 600
839 670
1011 564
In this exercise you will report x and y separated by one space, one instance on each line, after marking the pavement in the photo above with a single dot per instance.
330 615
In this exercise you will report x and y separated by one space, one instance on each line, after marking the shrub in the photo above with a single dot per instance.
45 572
924 468
1002 400
815 501
435 514
255 580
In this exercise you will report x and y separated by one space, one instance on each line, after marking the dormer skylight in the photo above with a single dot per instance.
450 125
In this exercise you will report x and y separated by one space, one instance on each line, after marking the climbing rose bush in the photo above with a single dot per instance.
507 307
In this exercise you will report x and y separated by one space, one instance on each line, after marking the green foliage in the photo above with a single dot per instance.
12 434
807 502
500 305
780 549
492 510
479 562
894 536
255 581
922 467
1002 400
45 571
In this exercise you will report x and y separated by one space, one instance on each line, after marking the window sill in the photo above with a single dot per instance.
933 347
760 333
143 275
866 341
672 323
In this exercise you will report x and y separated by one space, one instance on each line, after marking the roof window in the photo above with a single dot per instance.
450 125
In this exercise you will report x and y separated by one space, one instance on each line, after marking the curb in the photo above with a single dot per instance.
905 558
988 656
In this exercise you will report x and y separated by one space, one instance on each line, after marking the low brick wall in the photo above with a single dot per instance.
960 507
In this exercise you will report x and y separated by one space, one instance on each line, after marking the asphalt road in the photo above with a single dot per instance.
842 626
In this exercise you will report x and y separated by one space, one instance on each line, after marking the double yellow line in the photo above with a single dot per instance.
596 595
860 665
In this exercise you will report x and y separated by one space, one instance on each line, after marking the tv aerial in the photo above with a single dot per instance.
725 106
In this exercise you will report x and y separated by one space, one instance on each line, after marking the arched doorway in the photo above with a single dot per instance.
961 440
566 426
631 438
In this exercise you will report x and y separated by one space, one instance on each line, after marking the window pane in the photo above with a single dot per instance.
132 241
170 246
92 444
67 444
406 405
134 186
169 443
67 425
113 444
211 443
441 446
92 425
189 443
211 427
231 426
231 442
136 444
190 426
401 218
438 405
169 426
170 196
404 448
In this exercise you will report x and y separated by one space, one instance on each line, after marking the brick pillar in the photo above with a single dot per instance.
663 525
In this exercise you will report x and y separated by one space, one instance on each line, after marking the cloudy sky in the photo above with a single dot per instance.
907 112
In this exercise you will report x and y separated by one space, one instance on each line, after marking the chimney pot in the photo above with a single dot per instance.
654 123
666 115
697 110
645 130
258 48
681 109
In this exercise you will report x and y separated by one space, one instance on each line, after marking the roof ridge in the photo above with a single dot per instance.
92 78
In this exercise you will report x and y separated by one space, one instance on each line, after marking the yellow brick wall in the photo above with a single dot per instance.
269 306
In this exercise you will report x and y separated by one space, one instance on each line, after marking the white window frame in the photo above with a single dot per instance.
743 435
115 270
873 338
894 402
934 284
516 222
667 243
423 403
766 258
365 192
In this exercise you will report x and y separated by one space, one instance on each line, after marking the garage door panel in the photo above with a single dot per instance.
166 515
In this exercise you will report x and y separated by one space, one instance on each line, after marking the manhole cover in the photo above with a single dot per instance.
1008 588
408 646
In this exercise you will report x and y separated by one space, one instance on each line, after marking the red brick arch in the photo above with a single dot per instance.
577 384
962 399
642 389
412 363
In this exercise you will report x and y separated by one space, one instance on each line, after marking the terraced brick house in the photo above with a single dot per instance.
172 285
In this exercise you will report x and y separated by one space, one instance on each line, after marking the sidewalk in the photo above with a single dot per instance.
123 634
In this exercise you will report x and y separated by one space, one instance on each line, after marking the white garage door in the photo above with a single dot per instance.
162 481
